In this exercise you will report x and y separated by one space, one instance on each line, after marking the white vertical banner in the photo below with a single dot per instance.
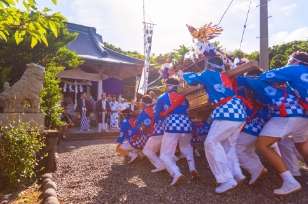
148 33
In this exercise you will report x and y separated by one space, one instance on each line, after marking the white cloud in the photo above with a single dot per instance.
285 36
288 9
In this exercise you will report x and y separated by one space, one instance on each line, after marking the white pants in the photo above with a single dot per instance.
219 147
290 155
151 150
247 155
168 148
280 127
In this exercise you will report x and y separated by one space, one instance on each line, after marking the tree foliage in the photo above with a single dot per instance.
133 54
279 53
238 53
40 54
28 23
51 95
179 53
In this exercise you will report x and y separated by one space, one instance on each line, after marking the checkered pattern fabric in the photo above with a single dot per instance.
138 141
233 110
254 126
158 128
291 104
200 134
148 33
84 121
178 123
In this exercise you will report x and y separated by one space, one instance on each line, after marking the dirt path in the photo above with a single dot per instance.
90 172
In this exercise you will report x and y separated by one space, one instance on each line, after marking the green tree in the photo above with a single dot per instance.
51 94
279 53
254 56
133 54
238 53
179 53
51 97
28 22
278 60
40 54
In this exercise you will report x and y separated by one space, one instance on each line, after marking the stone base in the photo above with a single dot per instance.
34 118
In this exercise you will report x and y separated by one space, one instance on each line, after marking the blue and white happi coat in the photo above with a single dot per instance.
125 130
295 75
158 128
200 132
178 120
138 140
217 89
234 109
256 124
177 123
292 107
268 94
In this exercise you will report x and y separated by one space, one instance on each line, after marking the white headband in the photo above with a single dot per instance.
297 60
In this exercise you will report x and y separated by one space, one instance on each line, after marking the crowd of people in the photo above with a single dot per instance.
103 113
266 112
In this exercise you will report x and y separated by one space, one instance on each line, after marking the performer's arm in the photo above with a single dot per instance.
121 137
158 108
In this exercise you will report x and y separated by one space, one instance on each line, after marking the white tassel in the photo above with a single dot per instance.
71 88
64 87
76 88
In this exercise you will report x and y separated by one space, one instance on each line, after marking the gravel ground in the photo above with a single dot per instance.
90 172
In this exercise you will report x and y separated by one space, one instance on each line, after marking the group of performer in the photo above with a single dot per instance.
267 112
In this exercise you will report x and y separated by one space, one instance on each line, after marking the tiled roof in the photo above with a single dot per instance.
89 46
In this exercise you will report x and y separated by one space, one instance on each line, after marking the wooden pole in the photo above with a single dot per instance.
264 53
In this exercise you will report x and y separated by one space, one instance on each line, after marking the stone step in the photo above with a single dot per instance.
90 135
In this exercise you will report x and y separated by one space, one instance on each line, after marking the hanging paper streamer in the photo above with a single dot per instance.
148 33
71 88
81 88
64 87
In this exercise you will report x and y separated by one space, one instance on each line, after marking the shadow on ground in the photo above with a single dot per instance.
92 173
135 184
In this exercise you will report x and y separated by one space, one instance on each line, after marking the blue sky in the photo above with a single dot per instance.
120 21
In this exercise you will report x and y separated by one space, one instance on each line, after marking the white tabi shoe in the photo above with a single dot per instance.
240 178
287 188
176 179
256 176
226 186
158 170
